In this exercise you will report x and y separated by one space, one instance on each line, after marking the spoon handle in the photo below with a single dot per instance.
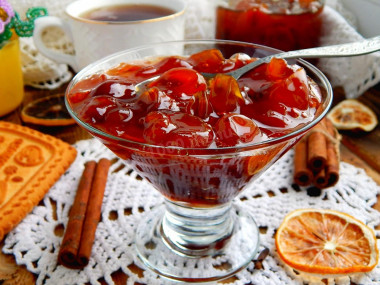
350 49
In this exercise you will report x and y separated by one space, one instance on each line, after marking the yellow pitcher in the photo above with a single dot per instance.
11 78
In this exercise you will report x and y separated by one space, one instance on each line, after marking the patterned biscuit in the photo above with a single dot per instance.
30 163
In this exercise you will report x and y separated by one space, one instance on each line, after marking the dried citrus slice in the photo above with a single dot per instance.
326 242
351 114
47 111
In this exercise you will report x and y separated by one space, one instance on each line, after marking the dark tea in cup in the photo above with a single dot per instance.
127 12
102 27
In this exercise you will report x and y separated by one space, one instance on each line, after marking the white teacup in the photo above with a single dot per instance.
95 39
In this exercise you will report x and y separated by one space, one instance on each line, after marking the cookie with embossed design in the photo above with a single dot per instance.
30 163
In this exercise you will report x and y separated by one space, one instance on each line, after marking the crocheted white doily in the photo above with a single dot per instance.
34 241
39 71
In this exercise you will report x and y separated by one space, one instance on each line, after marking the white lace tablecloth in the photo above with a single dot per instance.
35 242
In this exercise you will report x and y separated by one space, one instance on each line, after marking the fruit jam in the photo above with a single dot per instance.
181 111
285 25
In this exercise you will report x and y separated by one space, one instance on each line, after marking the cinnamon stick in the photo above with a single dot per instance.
332 163
322 157
317 149
302 174
93 211
71 240
320 180
84 215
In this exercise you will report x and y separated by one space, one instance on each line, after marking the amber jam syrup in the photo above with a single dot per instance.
284 30
191 131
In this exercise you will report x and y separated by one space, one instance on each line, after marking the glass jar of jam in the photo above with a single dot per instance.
282 24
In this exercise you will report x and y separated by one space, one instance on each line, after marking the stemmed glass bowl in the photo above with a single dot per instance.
198 234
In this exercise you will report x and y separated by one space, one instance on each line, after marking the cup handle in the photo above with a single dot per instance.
40 25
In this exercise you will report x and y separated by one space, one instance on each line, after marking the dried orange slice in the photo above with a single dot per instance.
47 111
351 114
326 242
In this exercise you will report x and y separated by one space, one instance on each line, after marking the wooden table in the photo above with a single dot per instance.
360 150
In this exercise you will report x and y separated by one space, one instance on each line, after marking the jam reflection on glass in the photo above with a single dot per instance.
284 24
182 111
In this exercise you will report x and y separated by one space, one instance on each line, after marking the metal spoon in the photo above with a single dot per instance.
343 50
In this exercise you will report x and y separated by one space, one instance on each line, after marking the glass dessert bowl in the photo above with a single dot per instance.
200 142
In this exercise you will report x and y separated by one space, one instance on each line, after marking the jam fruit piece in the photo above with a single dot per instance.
297 89
225 95
125 70
201 107
184 90
233 129
82 89
119 116
255 82
315 95
180 83
240 59
263 113
177 129
162 66
293 92
274 102
89 83
156 127
96 108
211 61
147 101
124 123
116 88
277 68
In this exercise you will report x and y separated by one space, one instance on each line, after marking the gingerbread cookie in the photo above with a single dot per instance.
30 163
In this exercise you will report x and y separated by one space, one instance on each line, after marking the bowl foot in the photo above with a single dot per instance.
204 263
